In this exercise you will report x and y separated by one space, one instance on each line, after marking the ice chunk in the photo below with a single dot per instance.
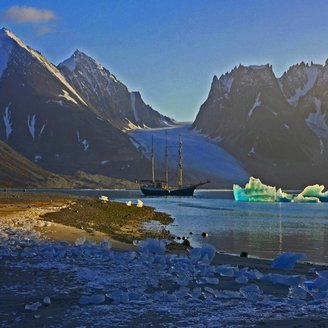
152 246
93 299
297 292
251 292
80 241
315 191
33 306
241 280
275 278
128 203
139 203
204 254
287 260
46 300
226 270
104 199
323 274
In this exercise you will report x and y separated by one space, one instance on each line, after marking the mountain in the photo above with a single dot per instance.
305 87
18 171
45 119
252 114
109 98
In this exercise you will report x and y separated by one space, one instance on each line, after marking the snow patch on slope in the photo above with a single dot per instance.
7 121
67 97
257 103
31 125
317 121
312 73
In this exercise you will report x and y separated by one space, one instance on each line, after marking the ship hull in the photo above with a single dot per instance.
180 192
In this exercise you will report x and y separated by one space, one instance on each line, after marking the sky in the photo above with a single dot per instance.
169 50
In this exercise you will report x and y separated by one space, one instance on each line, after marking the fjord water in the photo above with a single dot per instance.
261 229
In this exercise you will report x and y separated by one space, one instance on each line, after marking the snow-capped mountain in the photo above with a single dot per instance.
252 114
109 98
44 118
305 88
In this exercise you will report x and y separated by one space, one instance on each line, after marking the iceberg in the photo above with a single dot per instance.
256 191
315 191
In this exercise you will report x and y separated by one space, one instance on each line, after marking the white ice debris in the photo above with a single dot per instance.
31 125
257 103
133 106
316 120
67 96
311 74
128 203
7 121
139 203
33 307
104 199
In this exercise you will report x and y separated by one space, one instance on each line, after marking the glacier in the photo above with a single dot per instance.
256 191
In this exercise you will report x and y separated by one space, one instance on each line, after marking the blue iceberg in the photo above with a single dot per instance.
256 191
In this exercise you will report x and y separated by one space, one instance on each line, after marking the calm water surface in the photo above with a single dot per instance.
261 229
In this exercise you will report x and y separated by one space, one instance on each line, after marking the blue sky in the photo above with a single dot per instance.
169 50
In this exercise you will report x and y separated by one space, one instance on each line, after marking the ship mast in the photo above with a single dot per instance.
166 162
180 162
152 160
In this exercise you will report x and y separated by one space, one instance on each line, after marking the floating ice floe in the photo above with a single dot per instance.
256 191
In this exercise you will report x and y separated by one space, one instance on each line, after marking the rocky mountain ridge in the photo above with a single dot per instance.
44 117
276 127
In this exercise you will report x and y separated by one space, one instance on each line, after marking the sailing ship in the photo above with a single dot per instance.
155 187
